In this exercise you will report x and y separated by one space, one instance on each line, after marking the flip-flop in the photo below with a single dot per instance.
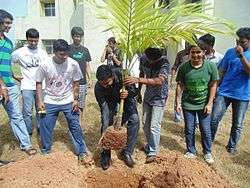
31 151
4 162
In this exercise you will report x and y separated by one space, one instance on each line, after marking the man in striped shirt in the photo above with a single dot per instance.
12 106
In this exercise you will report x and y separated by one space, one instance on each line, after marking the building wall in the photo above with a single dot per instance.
235 11
55 27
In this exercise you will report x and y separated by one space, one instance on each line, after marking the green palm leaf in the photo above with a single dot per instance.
138 24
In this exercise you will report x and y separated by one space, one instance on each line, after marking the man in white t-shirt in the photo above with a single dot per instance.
29 58
61 93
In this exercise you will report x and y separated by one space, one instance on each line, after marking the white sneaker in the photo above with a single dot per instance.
189 155
209 158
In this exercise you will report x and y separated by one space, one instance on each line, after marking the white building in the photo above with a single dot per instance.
55 18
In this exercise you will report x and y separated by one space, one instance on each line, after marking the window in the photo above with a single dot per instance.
49 9
48 45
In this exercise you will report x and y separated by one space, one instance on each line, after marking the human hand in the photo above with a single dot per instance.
130 80
90 83
41 108
208 109
124 94
239 50
4 95
75 106
178 107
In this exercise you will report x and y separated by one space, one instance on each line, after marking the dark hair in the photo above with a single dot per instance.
243 32
32 33
208 39
153 53
77 31
103 72
60 45
112 39
4 14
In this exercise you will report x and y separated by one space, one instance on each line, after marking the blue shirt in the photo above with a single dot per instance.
236 82
155 95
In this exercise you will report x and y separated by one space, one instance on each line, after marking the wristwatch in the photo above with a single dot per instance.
240 56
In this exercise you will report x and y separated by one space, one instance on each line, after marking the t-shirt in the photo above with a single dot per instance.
155 95
236 82
82 56
181 57
6 48
196 84
215 58
58 80
29 60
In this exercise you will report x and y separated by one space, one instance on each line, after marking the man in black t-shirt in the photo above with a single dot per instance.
81 54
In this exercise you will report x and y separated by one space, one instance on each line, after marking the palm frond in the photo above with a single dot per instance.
138 24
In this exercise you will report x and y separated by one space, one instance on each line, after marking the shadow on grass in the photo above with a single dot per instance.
7 138
243 159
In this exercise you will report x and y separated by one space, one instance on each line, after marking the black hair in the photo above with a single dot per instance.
208 39
32 33
60 45
77 31
243 32
4 14
103 72
153 53
112 39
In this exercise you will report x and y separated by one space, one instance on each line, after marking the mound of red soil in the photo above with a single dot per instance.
62 170
114 139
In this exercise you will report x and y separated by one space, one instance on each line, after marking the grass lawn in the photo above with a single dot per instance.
236 169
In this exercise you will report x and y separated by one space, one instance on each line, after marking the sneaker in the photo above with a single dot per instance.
150 159
189 155
209 158
232 151
84 159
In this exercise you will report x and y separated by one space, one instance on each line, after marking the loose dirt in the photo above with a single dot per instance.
62 170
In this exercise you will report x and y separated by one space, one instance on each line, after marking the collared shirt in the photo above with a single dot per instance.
155 95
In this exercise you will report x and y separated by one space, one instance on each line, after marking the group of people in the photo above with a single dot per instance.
207 83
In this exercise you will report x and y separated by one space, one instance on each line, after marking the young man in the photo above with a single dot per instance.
3 99
181 57
82 56
61 94
29 58
156 69
12 107
112 53
206 42
195 92
234 88
108 95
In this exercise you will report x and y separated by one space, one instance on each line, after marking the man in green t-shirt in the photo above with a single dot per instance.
195 92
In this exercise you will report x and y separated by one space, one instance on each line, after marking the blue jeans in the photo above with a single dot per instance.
29 99
16 119
152 117
107 114
204 123
239 111
48 121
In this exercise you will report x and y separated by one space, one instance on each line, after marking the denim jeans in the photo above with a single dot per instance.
48 121
152 117
239 111
107 114
204 123
29 99
16 118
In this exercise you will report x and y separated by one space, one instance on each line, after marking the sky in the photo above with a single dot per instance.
17 8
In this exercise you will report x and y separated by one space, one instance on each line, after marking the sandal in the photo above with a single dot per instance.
31 151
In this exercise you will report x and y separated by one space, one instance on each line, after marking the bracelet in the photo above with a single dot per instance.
240 56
